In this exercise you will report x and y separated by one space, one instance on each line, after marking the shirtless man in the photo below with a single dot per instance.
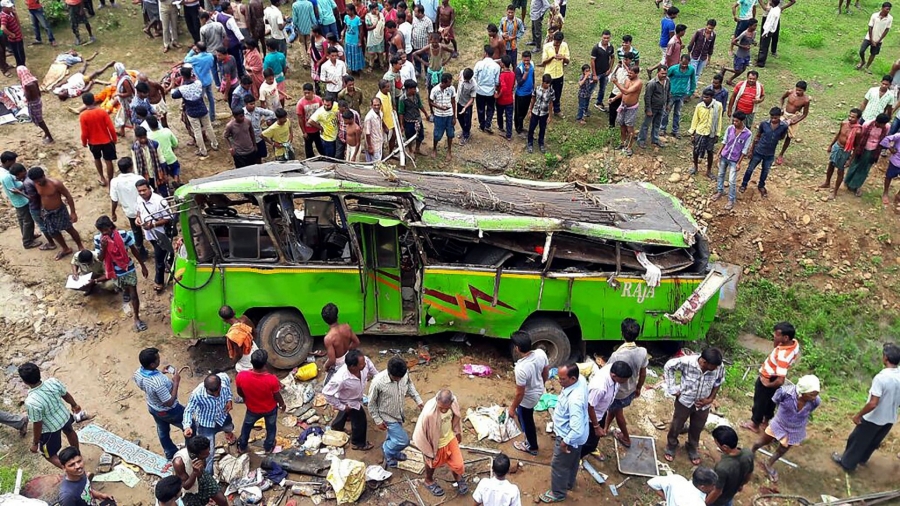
446 20
496 41
353 134
840 152
57 217
396 42
339 340
796 108
631 97
157 97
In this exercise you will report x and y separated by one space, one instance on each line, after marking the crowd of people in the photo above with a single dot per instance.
585 412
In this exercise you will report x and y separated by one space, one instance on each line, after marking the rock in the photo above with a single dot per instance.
677 169
806 219
707 216
867 276
674 178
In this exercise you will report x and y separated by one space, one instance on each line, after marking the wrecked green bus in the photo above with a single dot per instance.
411 253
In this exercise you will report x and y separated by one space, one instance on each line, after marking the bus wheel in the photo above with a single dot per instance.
547 335
285 336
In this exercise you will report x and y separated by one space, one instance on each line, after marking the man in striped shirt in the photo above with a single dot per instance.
161 394
211 403
386 394
701 377
772 374
48 415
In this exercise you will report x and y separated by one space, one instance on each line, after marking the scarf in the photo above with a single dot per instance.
240 340
863 137
851 137
25 75
116 255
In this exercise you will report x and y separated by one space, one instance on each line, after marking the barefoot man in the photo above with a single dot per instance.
840 149
57 217
795 104
338 341
446 20
631 97
157 98
353 134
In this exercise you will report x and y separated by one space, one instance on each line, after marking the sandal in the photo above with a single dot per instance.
522 446
368 446
402 457
669 455
462 487
140 326
773 474
435 489
548 497
749 426
47 246
621 439
158 289
695 459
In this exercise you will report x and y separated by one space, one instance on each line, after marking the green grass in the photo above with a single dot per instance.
840 337
8 479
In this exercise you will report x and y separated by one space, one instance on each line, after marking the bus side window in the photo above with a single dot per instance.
244 242
202 247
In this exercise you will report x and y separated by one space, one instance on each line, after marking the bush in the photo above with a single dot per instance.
813 40
56 12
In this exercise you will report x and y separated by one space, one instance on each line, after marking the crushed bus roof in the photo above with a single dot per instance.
633 212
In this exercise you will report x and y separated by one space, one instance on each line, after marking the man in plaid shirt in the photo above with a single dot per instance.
211 403
701 377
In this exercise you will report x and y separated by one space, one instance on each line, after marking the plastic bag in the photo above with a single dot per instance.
477 370
335 438
348 479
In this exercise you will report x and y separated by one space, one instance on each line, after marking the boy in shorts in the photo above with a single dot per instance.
111 241
47 414
744 42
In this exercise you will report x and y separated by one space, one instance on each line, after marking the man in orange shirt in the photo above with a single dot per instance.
99 135
772 375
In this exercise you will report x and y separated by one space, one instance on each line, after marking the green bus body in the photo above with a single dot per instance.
378 293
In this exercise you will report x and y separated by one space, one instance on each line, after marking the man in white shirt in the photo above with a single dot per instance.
153 216
275 21
602 390
487 77
373 130
404 26
496 490
532 371
407 69
122 191
879 25
677 491
333 71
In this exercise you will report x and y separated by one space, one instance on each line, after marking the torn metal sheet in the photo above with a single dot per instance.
640 459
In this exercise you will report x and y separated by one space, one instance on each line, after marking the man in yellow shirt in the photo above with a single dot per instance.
706 128
281 136
325 119
554 58
387 111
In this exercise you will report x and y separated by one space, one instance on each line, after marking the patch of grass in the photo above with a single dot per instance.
840 335
472 10
813 40
8 479
576 141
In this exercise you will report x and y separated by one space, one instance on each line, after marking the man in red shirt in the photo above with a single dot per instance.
99 135
261 392
305 109
12 29
746 97
504 95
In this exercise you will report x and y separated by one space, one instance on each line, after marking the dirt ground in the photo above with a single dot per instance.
88 343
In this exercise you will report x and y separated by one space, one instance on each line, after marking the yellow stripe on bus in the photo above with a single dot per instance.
281 271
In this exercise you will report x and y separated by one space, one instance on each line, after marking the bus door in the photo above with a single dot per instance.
381 254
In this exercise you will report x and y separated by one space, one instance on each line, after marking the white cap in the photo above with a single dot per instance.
808 383
6 3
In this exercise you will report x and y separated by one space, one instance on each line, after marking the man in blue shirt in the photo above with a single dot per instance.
14 188
683 82
161 394
763 149
203 64
570 426
666 32
211 403
487 77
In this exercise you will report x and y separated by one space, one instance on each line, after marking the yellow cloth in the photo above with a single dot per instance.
447 434
280 134
701 123
387 110
242 336
555 67
348 479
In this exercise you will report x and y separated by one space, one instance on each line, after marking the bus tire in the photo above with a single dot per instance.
549 336
285 337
